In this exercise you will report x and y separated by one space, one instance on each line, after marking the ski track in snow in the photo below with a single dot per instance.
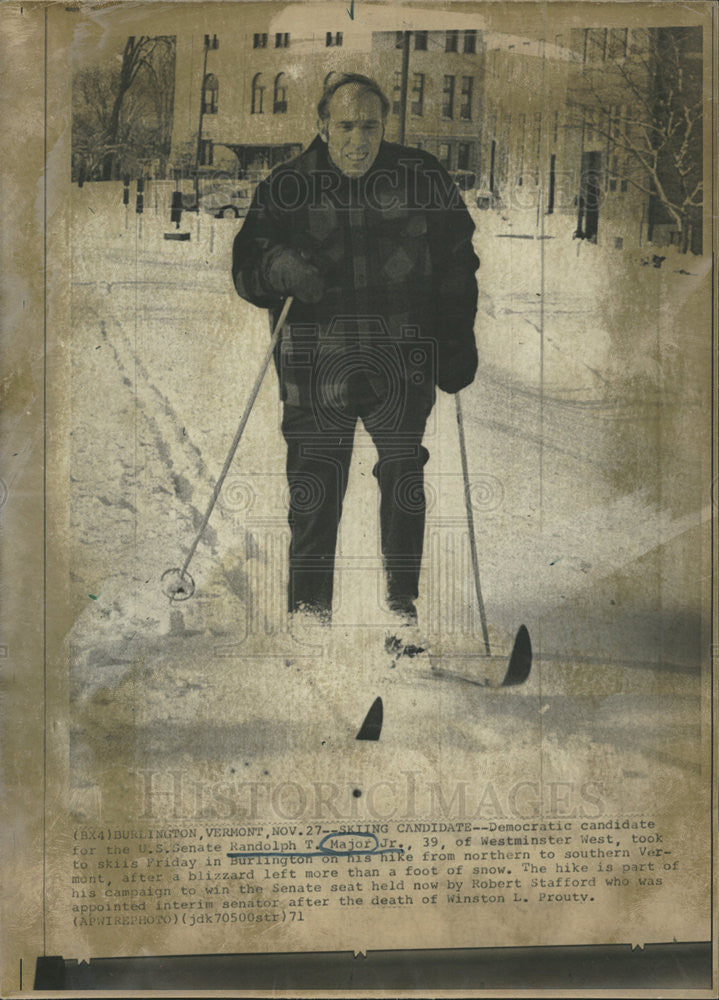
184 461
128 606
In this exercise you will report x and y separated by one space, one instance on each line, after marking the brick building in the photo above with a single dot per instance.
444 97
261 86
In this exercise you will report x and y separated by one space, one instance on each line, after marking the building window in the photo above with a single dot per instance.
611 123
259 41
333 39
505 145
612 173
420 41
618 38
448 97
282 39
399 39
470 40
445 155
396 92
595 44
209 95
418 94
450 41
279 103
206 153
258 93
522 141
463 150
465 107
588 120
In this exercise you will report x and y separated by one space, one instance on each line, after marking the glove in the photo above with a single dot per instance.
289 272
457 371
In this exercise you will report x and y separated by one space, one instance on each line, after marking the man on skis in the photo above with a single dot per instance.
374 244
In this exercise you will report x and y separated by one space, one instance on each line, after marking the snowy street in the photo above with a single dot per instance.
584 428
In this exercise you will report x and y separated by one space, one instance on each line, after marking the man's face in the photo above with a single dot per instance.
354 130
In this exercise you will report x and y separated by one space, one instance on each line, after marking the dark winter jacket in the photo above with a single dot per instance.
394 248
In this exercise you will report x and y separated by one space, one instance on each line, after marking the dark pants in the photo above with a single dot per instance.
319 450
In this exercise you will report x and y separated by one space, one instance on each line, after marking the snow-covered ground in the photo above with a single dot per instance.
584 427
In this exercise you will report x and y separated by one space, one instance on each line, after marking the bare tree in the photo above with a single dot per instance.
122 117
161 83
93 95
134 58
644 100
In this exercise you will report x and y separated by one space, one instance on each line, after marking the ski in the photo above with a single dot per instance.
372 725
481 670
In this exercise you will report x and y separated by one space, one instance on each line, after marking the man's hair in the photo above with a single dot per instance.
366 85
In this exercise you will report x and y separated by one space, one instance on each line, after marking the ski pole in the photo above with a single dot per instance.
470 524
179 585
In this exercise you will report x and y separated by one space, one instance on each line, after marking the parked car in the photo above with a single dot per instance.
464 179
224 201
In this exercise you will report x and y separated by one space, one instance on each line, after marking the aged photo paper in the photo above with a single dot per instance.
506 760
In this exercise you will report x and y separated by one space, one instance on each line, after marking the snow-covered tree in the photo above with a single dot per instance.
122 116
640 98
